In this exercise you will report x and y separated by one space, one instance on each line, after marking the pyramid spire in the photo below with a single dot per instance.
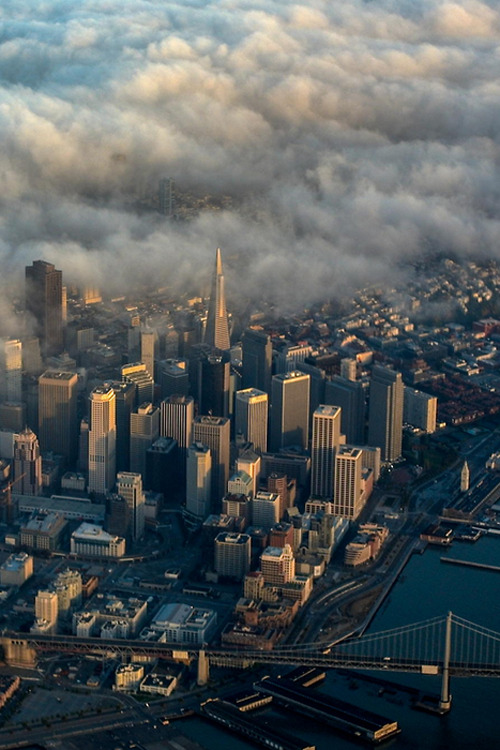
217 330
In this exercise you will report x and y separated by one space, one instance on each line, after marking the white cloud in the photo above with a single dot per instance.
352 135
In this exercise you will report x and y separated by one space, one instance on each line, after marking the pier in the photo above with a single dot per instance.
232 719
349 719
469 564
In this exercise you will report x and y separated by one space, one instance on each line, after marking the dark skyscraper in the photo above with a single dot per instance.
257 360
217 331
350 396
57 418
385 421
44 304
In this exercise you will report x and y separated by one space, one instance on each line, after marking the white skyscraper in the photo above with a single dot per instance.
326 438
102 439
348 497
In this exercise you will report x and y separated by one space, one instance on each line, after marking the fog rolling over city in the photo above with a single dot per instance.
352 138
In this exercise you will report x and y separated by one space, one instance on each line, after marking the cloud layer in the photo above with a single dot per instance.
353 137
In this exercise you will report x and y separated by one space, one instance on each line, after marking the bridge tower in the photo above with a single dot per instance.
445 701
203 667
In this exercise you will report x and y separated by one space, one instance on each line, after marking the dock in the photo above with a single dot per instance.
469 564
231 718
347 718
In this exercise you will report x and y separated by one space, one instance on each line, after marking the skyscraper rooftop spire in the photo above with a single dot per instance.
217 331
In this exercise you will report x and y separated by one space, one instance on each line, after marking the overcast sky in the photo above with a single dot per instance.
354 137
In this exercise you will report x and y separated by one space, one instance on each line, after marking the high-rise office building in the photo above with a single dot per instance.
129 486
257 354
420 409
199 478
136 373
289 410
125 393
148 349
232 554
166 197
144 430
278 565
176 421
44 304
102 439
385 421
214 432
163 468
326 438
348 368
173 377
251 417
46 611
266 509
32 357
348 495
215 371
350 396
27 463
278 483
250 463
317 385
11 368
217 330
57 413
209 379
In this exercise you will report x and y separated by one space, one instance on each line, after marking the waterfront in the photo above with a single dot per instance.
427 588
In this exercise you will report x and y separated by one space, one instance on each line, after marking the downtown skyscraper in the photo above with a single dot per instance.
217 330
385 421
102 439
44 303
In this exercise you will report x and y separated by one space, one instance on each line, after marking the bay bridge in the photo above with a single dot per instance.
448 646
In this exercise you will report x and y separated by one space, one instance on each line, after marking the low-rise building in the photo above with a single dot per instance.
43 531
159 684
128 677
183 623
116 617
16 569
90 540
